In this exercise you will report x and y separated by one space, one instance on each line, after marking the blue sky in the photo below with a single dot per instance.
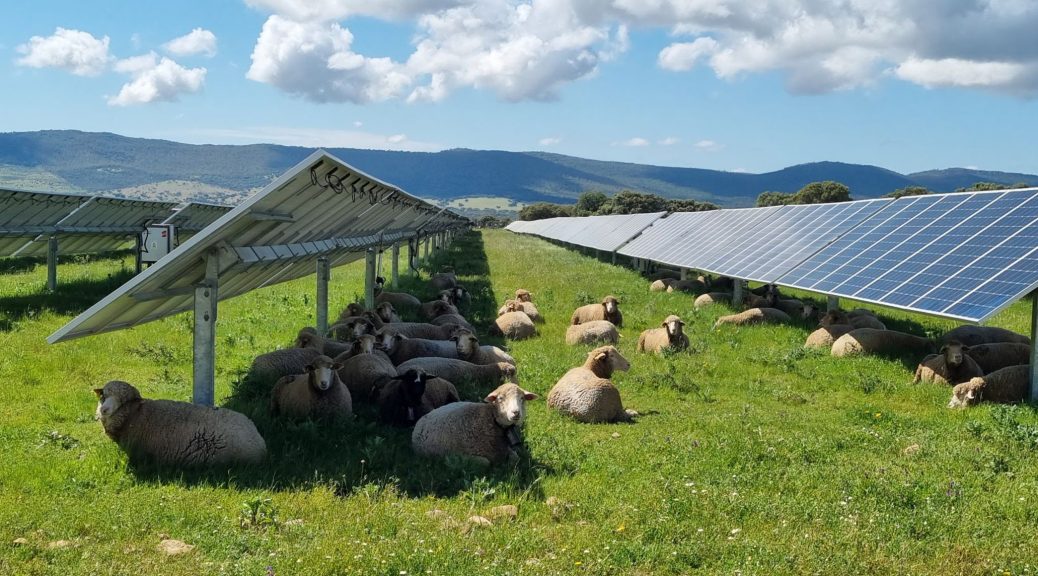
722 84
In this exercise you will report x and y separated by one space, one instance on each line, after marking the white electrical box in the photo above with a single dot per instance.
157 240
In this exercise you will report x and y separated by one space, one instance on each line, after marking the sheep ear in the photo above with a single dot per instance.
491 398
454 338
530 396
664 324
99 391
943 349
337 366
601 356
965 348
970 394
309 367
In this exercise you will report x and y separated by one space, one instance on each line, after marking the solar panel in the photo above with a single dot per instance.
26 215
963 256
99 225
664 234
195 216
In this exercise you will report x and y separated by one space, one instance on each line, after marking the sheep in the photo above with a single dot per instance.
399 300
453 319
352 309
350 328
416 329
585 392
661 285
692 286
663 274
950 365
444 280
608 309
319 393
488 432
179 434
270 367
826 335
711 298
469 349
974 335
409 396
386 312
520 306
862 341
754 316
857 318
593 332
791 306
991 357
364 370
1007 385
670 336
523 295
434 308
458 371
400 348
309 338
514 325
459 295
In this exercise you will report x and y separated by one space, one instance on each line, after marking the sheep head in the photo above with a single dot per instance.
387 340
953 352
355 309
967 393
523 295
412 388
833 317
114 394
810 312
611 304
605 360
364 344
308 338
380 282
674 326
508 372
467 344
445 296
321 373
441 307
458 294
385 311
509 402
514 306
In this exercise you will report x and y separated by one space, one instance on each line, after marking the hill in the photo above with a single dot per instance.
73 161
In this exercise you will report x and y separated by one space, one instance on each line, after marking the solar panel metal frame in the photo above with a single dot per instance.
275 235
194 217
25 215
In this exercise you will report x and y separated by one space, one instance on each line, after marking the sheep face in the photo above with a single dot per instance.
467 344
833 317
113 395
611 304
385 311
523 295
355 309
353 328
380 282
364 344
953 352
513 306
307 338
967 393
458 294
809 312
445 296
388 341
322 373
509 403
609 356
674 326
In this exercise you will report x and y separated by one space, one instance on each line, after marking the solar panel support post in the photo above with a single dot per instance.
396 264
832 303
614 258
205 334
737 292
323 276
369 279
1033 392
684 273
52 263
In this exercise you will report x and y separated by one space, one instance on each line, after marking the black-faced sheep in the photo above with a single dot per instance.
608 309
973 335
177 434
489 432
593 332
670 336
826 335
457 372
587 394
754 316
991 357
711 298
317 394
951 365
1005 386
364 370
409 396
514 325
870 341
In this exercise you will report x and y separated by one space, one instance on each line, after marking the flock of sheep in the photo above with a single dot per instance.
411 371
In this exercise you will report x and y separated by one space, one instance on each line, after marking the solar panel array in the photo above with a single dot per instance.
99 225
321 208
195 216
26 215
963 256
607 232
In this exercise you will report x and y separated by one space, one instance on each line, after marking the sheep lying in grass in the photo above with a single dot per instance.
670 337
661 285
464 346
711 298
523 295
470 350
399 300
858 320
951 365
691 286
754 316
991 357
409 396
1005 386
456 319
364 370
441 305
973 335
515 325
352 309
319 393
177 434
519 306
826 335
490 432
459 371
352 327
444 280
587 394
270 367
593 332
608 309
870 341
417 329
309 338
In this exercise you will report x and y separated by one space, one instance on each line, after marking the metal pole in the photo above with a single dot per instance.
614 258
412 253
736 292
323 276
369 280
1034 347
396 264
205 334
425 251
684 273
52 263
832 303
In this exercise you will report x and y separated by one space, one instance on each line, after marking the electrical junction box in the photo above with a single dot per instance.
157 240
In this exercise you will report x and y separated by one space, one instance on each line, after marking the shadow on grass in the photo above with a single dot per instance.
363 455
70 298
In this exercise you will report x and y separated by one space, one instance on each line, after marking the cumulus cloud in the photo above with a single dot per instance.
549 141
329 10
73 50
683 56
155 80
316 138
198 41
964 73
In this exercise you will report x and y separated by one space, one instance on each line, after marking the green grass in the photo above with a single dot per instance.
752 456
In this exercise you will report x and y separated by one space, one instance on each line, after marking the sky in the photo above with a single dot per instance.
908 85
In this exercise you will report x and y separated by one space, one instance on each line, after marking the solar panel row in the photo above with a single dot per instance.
607 232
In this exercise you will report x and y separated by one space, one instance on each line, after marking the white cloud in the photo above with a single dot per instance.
549 141
155 80
357 123
331 10
684 56
316 138
669 141
73 50
635 142
198 41
314 60
708 146
397 138
956 72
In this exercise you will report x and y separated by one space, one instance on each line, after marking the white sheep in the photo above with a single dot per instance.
177 434
593 332
871 341
826 335
607 309
350 328
399 300
587 394
754 316
459 371
711 298
951 365
416 329
488 432
441 305
456 319
991 357
411 395
387 312
669 337
661 285
514 325
268 368
364 370
1008 385
317 394
444 280
520 306
523 295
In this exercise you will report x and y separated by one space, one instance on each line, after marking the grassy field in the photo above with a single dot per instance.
752 455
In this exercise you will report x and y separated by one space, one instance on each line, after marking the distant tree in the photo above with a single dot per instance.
542 210
491 222
628 202
986 186
774 199
690 206
590 202
909 191
822 192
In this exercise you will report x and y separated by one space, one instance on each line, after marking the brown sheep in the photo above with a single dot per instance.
593 332
973 335
669 337
754 316
1008 385
826 335
991 357
661 285
711 298
515 324
870 341
386 312
364 369
520 306
950 365
608 309
416 329
317 394
523 295
587 394
399 300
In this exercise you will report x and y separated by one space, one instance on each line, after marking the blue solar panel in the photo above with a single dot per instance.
662 238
